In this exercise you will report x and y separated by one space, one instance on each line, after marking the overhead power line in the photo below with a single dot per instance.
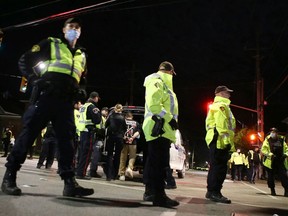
278 87
66 14
29 8
106 5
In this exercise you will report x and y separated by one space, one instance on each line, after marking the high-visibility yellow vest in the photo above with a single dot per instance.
160 100
63 61
83 121
268 155
237 158
222 119
76 119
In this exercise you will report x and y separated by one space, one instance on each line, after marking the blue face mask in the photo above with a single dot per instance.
72 34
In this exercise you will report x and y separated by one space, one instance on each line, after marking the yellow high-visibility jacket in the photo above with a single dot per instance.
220 118
237 158
268 155
160 100
62 60
76 120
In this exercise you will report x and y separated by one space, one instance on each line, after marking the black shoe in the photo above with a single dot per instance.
73 189
9 184
95 175
148 197
164 201
273 193
170 186
83 177
208 194
218 197
39 166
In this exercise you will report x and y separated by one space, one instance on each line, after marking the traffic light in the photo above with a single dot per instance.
253 138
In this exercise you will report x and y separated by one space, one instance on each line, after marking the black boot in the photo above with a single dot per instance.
9 183
218 197
162 200
148 194
73 189
286 192
273 193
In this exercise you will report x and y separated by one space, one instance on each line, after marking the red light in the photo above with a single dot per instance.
253 137
209 105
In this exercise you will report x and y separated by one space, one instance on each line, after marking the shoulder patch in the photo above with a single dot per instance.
35 48
95 110
156 85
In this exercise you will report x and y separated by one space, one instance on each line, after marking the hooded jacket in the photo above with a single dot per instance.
160 100
220 124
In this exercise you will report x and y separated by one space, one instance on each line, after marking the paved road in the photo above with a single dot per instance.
42 195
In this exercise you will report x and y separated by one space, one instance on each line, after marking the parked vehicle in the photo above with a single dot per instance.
177 150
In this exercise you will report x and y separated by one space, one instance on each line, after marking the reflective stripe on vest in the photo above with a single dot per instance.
83 116
172 101
62 60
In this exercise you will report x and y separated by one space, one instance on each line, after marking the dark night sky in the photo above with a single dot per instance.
210 43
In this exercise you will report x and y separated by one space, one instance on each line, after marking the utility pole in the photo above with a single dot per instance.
260 94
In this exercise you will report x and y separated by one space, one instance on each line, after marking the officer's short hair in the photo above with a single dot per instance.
222 88
166 66
94 94
73 20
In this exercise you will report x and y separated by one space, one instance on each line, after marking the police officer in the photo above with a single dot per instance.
57 65
220 125
77 106
275 153
97 147
159 127
237 160
48 150
90 115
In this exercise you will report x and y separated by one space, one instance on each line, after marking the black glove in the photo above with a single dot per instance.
173 124
158 126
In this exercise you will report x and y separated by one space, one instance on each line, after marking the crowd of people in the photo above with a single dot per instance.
79 136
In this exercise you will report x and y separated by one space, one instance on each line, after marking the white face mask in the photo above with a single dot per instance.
72 35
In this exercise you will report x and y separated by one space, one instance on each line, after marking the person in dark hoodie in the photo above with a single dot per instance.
116 128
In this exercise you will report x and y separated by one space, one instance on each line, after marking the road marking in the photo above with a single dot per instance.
168 213
255 188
